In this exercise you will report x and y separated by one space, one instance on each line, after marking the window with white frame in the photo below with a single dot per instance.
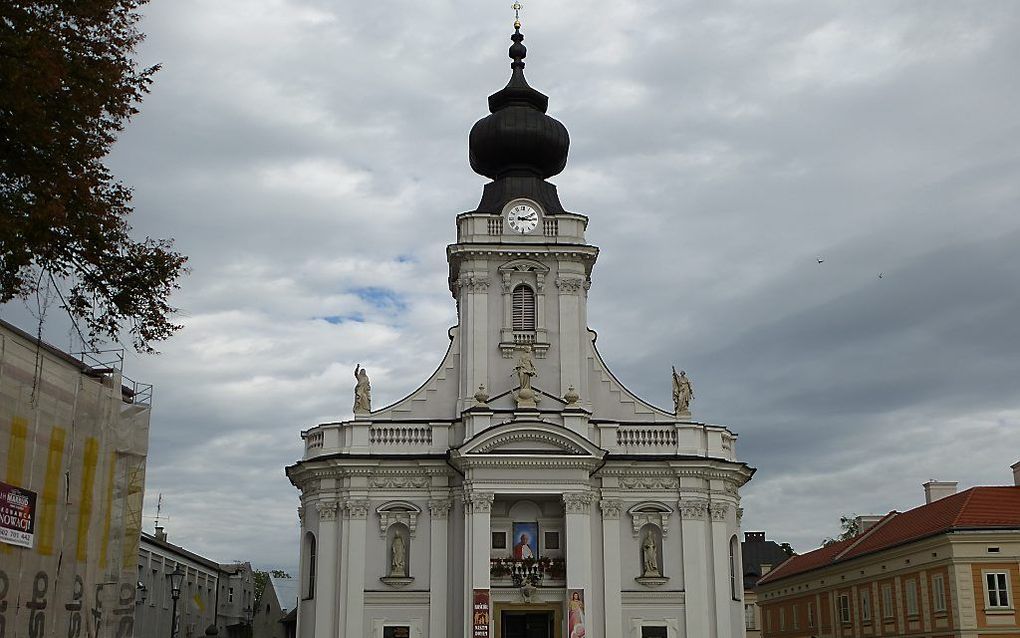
749 617
997 586
865 605
810 615
844 609
887 602
938 586
910 586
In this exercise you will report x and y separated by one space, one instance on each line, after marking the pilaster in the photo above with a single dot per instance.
611 564
354 546
439 588
698 610
477 510
577 510
572 289
718 512
329 569
473 299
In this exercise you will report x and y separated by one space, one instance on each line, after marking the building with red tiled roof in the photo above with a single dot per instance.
950 567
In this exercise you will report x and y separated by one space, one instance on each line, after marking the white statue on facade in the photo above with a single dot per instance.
525 370
649 556
362 391
683 393
398 556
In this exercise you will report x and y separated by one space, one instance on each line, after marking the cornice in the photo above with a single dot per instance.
573 251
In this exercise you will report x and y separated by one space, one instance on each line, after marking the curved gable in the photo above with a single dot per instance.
533 437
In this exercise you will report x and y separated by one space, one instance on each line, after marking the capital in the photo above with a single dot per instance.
610 507
478 502
693 508
440 508
357 508
577 502
327 510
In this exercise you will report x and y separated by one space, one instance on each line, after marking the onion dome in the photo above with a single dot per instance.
518 146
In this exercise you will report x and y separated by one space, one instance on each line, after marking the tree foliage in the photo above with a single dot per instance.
261 579
67 86
850 526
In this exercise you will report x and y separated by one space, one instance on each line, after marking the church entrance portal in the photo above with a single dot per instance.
523 624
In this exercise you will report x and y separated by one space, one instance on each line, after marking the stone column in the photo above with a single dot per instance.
694 534
477 509
721 553
328 568
354 548
439 587
611 565
577 509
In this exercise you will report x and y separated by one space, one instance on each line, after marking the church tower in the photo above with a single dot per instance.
522 491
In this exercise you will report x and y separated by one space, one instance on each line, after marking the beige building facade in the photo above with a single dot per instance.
948 568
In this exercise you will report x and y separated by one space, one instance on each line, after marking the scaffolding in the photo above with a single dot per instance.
74 432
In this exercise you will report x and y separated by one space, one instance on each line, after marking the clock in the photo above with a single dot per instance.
522 218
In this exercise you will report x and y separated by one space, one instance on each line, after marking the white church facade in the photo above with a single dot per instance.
522 491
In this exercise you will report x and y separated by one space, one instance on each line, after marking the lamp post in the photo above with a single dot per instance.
175 592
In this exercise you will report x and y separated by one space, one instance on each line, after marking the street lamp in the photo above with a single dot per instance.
175 592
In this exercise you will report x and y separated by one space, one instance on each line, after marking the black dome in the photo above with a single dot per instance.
518 138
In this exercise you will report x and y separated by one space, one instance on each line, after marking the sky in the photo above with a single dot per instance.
310 157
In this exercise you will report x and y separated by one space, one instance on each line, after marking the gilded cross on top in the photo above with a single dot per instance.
517 6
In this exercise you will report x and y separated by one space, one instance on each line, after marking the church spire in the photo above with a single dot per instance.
518 146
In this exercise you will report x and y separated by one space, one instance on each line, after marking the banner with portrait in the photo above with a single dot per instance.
575 613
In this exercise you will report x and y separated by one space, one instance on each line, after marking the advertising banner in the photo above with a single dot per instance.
480 614
17 515
575 613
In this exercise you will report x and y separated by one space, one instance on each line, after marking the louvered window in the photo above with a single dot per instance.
523 308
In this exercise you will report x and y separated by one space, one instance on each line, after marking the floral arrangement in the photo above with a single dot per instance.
528 569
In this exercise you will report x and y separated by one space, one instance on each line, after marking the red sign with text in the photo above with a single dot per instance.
480 614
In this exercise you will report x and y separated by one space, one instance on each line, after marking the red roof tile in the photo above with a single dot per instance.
976 508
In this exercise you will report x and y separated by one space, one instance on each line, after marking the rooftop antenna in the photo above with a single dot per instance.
159 506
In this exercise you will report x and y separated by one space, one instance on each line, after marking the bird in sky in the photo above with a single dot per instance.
820 260
881 274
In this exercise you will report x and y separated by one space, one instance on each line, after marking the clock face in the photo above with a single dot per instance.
522 218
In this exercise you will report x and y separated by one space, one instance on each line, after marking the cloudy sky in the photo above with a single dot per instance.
310 157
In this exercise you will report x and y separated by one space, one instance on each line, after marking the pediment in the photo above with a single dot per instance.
530 438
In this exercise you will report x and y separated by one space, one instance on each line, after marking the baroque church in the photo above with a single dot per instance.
522 491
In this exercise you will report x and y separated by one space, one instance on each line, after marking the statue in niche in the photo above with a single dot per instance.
398 556
525 370
683 393
362 391
649 556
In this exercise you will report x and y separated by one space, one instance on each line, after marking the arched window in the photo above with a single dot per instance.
734 555
310 556
523 309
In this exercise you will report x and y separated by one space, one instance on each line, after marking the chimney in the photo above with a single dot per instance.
934 490
160 533
759 537
766 568
1016 473
867 521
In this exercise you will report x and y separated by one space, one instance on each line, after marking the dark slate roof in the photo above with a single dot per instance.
756 553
